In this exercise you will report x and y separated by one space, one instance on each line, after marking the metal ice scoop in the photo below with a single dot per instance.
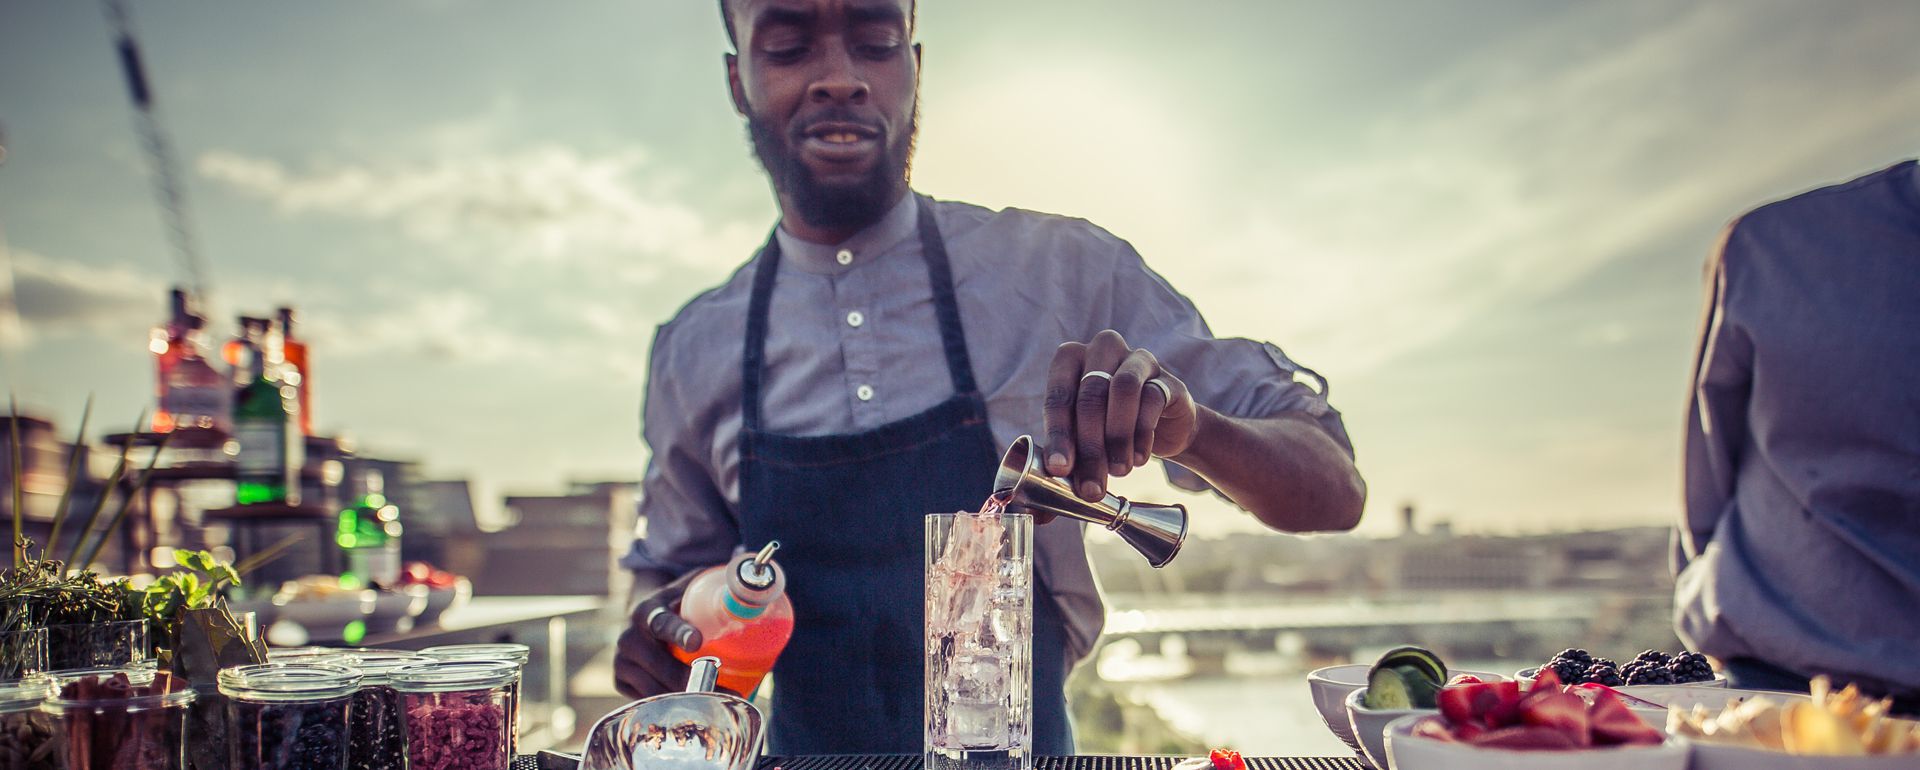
694 730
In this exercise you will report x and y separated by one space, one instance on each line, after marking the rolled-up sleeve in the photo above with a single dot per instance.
1716 409
1233 376
689 524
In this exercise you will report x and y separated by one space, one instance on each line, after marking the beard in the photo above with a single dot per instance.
849 205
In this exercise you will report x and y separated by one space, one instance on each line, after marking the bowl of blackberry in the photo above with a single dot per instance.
1651 667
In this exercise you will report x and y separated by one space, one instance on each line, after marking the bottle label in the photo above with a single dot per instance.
262 447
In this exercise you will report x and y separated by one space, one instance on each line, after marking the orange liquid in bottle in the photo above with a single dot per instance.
744 626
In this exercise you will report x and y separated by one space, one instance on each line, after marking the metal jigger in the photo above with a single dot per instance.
1156 531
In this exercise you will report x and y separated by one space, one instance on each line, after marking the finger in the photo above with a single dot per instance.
643 667
667 626
1104 354
1123 409
1063 384
1153 402
1175 429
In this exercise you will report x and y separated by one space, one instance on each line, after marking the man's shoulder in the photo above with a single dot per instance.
1037 232
719 312
1889 191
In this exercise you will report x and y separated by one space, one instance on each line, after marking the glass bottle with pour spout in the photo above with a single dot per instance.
743 615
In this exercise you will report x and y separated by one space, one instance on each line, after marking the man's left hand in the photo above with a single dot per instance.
1109 409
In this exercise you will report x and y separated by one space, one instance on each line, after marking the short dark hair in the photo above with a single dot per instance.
733 37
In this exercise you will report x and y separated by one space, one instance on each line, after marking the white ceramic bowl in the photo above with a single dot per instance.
1406 751
1369 725
1525 676
1330 687
1685 697
1710 756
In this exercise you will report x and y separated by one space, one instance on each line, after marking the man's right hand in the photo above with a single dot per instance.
644 666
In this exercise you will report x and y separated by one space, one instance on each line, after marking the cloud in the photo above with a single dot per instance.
55 296
544 203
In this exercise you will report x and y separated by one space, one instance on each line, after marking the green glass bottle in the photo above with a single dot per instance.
266 425
369 533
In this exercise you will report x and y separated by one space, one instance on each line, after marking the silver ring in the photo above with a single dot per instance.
1097 373
656 612
1166 393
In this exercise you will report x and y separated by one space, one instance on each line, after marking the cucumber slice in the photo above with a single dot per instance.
1387 689
1422 660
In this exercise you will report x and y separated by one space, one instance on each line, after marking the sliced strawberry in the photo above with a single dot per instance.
1460 679
1462 704
1545 679
1558 710
1226 759
1526 737
1614 724
1506 707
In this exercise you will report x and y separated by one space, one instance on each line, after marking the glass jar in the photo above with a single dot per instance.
23 653
456 713
517 654
376 727
107 644
26 733
119 719
287 716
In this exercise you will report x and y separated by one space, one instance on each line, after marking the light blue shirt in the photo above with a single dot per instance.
1801 541
853 344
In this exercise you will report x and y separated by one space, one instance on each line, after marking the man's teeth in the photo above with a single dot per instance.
841 137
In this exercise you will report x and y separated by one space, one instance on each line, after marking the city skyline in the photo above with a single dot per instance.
1483 222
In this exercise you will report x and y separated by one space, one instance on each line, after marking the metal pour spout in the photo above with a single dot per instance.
1156 531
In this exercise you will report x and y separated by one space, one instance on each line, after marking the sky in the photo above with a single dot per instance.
1483 222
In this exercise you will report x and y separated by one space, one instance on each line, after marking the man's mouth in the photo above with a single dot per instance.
840 142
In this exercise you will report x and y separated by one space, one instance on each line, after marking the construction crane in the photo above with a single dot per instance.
166 171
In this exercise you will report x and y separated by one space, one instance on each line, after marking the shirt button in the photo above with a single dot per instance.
854 319
845 257
864 392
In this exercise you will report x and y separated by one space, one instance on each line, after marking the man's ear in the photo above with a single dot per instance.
734 89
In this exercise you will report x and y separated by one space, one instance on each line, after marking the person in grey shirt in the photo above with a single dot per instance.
869 364
1799 553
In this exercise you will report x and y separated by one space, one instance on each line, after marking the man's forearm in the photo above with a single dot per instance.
1285 470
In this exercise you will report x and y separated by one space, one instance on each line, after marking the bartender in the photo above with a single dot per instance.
868 365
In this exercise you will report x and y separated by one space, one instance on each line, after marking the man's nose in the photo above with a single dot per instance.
838 80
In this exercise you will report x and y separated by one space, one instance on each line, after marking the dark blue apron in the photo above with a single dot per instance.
848 512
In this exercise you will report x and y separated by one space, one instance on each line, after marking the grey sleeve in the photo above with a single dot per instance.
688 522
1233 376
1716 409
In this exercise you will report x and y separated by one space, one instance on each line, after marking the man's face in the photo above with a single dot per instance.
828 90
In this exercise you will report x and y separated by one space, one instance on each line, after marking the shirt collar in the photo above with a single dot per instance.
862 247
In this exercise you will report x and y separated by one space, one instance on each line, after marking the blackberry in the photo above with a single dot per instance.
1646 672
1575 654
1655 657
1690 667
1599 673
1569 671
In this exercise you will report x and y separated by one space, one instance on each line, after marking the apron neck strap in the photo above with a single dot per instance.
946 308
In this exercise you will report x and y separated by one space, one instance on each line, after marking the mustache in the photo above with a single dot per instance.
834 114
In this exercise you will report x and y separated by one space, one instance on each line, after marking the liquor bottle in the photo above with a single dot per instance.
266 425
369 531
743 615
295 351
192 393
240 352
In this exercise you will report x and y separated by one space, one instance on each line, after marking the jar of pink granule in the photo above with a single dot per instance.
456 713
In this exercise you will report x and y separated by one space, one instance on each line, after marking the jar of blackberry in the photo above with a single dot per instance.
26 733
376 727
456 713
288 716
517 654
119 719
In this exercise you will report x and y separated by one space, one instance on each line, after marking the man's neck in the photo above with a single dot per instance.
799 227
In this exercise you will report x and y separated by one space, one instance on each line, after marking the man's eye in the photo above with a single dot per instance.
878 51
786 54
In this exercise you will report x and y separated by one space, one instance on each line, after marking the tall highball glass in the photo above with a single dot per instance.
979 618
